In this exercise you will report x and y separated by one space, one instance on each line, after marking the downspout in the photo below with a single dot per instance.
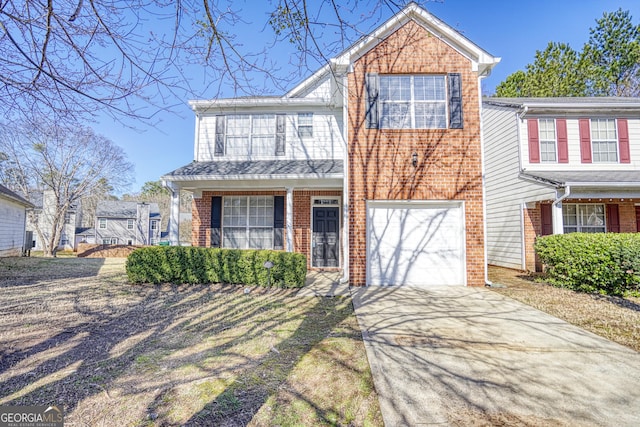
557 203
487 282
345 180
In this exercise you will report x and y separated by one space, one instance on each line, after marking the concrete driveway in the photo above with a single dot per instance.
469 356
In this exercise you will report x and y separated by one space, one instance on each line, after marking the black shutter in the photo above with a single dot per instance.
372 89
281 134
278 222
220 131
216 221
455 101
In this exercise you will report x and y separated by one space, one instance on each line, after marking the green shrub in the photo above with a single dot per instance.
607 263
178 264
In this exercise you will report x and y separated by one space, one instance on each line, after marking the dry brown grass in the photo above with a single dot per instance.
614 318
73 331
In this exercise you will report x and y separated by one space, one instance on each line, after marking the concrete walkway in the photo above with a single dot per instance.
469 356
324 284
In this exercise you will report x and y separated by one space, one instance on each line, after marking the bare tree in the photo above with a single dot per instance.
72 58
65 162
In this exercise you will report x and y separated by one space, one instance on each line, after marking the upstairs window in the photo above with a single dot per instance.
413 102
547 132
130 224
604 141
305 125
102 223
418 101
154 225
253 135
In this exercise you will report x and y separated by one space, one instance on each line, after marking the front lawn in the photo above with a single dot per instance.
73 331
614 318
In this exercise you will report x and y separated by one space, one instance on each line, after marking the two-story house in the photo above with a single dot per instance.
372 165
43 213
558 165
127 223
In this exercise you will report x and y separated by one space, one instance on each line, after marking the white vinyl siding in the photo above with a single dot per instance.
12 227
506 193
413 102
247 222
327 141
604 141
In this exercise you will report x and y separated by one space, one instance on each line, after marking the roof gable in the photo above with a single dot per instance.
482 62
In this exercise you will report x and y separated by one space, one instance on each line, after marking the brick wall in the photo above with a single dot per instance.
449 159
201 207
532 229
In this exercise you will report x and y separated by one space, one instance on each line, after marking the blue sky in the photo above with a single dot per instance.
510 29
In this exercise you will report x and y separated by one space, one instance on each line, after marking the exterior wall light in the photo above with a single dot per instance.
414 159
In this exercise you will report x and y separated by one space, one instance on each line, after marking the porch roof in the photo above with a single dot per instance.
257 169
590 179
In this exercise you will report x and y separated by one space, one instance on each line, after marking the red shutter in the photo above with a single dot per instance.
623 141
563 146
585 140
534 141
613 219
546 219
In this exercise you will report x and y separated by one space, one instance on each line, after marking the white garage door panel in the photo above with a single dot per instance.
420 245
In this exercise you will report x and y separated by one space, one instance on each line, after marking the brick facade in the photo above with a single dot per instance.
449 160
302 199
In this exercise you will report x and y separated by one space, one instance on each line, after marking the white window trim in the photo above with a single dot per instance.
412 102
541 140
617 140
247 227
580 228
131 224
100 223
250 134
305 125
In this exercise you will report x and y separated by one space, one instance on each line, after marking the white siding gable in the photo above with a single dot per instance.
327 141
12 227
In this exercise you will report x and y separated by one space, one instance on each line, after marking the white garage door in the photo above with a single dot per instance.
415 243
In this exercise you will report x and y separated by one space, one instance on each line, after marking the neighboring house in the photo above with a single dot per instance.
558 165
127 223
13 219
372 165
85 235
43 212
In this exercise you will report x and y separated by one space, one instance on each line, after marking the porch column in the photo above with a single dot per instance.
556 216
174 217
289 220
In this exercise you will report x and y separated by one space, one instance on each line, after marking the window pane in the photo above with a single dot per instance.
431 115
237 145
395 88
234 238
261 211
395 115
429 88
604 140
261 238
235 211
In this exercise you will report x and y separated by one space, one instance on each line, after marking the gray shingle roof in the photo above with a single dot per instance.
258 168
559 102
4 191
120 209
587 178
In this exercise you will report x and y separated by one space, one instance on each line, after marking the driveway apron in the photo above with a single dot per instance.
469 356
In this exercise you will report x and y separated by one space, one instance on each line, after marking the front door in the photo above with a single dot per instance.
325 241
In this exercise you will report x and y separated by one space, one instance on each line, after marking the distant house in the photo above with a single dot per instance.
127 223
13 218
43 211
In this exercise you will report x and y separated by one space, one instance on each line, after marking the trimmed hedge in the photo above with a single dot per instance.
607 263
183 264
